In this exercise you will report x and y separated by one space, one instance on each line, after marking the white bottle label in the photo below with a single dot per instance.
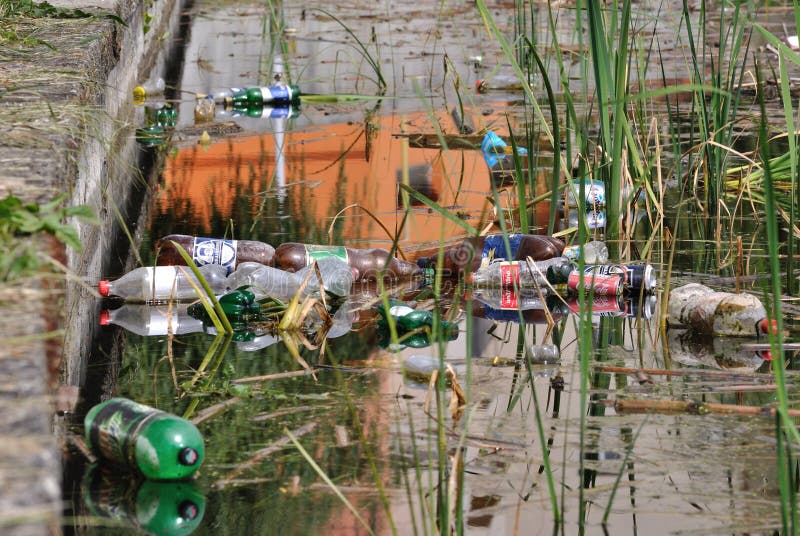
159 286
214 251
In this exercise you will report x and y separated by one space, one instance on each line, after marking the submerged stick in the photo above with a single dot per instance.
211 411
723 374
627 406
263 453
276 376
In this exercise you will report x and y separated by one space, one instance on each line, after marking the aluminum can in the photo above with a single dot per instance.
600 284
637 277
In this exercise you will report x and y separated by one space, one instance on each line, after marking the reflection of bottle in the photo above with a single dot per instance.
414 327
204 109
162 508
162 283
162 116
159 445
689 348
544 354
630 306
510 298
595 219
472 252
260 111
717 313
145 320
594 193
368 263
228 253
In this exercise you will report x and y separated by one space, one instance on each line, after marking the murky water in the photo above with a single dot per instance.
327 172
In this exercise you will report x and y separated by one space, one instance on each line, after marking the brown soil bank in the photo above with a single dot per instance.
65 114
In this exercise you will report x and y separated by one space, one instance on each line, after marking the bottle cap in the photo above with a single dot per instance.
139 94
104 287
187 456
767 326
104 318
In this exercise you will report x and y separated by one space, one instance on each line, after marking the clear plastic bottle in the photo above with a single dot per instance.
544 354
337 277
148 90
147 320
717 313
521 273
594 252
150 283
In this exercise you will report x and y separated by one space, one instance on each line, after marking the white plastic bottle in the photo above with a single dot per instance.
717 313
521 273
163 283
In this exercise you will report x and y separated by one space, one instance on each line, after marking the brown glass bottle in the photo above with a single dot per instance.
468 255
369 263
229 253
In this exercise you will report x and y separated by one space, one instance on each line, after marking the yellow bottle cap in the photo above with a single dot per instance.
139 94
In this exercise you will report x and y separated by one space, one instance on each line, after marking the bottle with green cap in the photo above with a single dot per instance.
159 445
163 508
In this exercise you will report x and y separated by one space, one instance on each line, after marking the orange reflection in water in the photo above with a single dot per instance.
344 160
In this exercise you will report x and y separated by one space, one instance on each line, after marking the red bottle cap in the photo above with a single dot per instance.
103 287
105 317
768 326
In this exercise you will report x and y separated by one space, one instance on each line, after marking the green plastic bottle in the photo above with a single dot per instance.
159 445
163 508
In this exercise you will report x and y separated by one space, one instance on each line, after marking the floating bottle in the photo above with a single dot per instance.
164 115
595 219
472 252
150 283
228 253
520 273
414 327
204 109
499 82
717 313
162 508
367 263
259 96
337 278
544 354
594 252
148 90
159 445
594 193
148 320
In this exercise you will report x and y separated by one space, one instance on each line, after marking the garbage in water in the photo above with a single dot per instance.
544 354
148 90
337 278
150 320
499 158
472 252
414 327
279 93
156 507
521 273
366 263
152 283
717 313
202 250
159 445
258 111
692 349
594 252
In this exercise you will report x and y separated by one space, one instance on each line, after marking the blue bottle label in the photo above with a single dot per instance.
494 247
214 251
276 94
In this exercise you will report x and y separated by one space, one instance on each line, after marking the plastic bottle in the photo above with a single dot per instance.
717 313
228 253
544 354
509 298
369 263
159 445
150 283
520 273
163 115
472 252
148 90
594 252
594 193
204 109
147 320
162 508
337 277
595 219
498 82
258 95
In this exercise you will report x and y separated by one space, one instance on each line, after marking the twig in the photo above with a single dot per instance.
723 374
688 406
263 453
214 410
79 443
276 376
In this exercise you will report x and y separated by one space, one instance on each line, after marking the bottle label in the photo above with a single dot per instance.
214 251
508 298
325 252
114 429
494 247
601 306
509 274
276 94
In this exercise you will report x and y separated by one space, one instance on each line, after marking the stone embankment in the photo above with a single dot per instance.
66 116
